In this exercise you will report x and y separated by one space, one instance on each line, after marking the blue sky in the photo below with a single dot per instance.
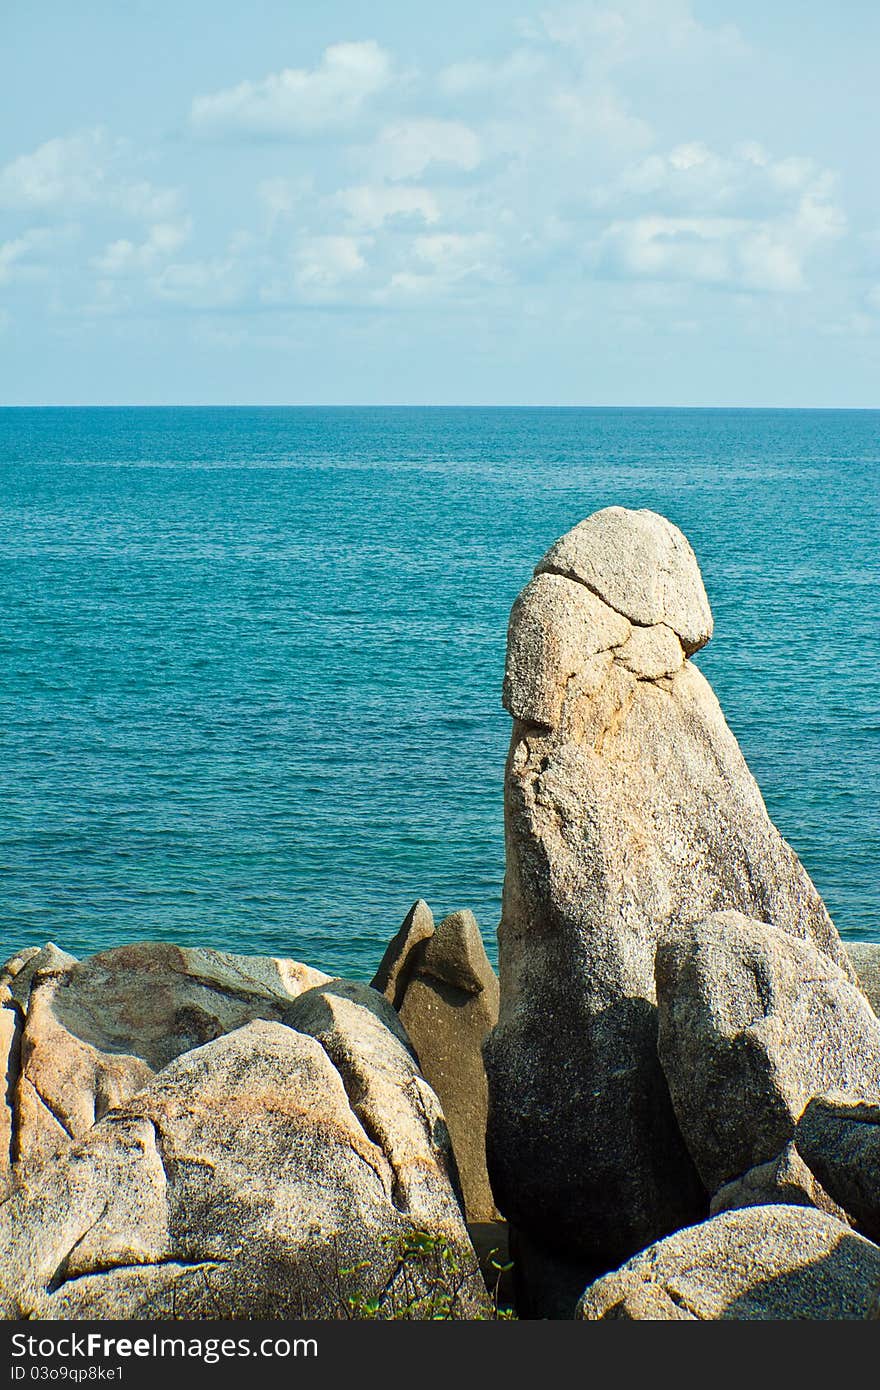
629 202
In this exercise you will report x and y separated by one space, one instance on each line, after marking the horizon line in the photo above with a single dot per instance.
392 405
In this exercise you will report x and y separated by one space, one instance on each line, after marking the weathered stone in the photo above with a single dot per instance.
629 812
651 652
10 1061
838 1137
18 972
16 976
764 1262
446 993
641 566
396 964
556 627
91 1033
865 957
785 1180
15 964
269 1173
753 1023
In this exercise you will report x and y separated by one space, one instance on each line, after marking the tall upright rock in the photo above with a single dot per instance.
440 981
629 810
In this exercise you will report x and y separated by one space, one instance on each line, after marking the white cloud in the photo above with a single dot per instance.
299 101
88 167
542 167
405 150
598 114
372 205
453 253
124 257
145 202
442 262
17 255
66 170
482 78
730 252
693 178
323 262
628 31
281 197
10 252
208 284
743 220
668 248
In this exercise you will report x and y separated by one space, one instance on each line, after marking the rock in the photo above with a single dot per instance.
629 811
765 1262
18 972
753 1023
641 566
396 964
10 1063
838 1137
88 1034
651 652
271 1173
446 993
15 982
555 630
785 1180
865 957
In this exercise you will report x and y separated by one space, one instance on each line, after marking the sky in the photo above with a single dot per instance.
619 202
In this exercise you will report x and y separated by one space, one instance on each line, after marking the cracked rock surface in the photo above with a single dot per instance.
629 813
764 1262
79 1037
267 1173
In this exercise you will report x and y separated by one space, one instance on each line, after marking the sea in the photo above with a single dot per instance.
251 659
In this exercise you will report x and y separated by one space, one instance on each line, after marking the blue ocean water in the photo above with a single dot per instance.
250 659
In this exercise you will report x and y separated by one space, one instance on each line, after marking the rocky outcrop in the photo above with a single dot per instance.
766 1262
865 958
278 1171
82 1036
838 1138
446 993
629 812
753 1023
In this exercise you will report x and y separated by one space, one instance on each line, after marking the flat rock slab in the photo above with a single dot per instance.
763 1263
